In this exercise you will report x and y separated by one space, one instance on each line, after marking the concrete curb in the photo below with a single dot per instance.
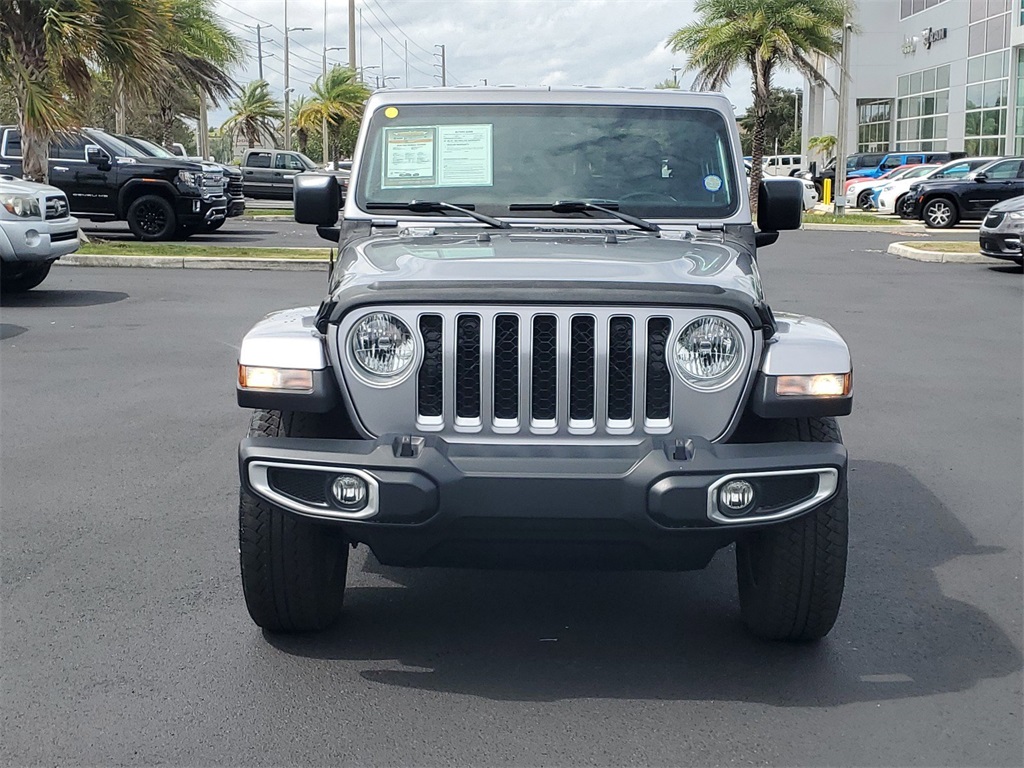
269 217
884 229
907 251
194 262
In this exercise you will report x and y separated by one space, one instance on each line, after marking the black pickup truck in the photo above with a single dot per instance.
232 176
106 179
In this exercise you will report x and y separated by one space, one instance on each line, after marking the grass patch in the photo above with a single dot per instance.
853 218
184 250
256 212
948 246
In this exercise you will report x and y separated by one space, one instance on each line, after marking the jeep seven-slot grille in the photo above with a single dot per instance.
544 371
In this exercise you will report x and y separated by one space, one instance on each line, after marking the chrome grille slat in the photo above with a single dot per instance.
659 402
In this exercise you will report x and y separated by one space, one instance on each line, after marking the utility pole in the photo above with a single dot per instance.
844 109
352 35
444 73
406 63
288 90
382 57
259 46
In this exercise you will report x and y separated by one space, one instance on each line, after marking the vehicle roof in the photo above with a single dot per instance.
550 95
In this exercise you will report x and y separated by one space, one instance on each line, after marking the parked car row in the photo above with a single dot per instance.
110 178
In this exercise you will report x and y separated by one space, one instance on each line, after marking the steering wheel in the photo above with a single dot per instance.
652 197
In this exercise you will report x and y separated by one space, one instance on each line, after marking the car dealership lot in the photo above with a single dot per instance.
125 638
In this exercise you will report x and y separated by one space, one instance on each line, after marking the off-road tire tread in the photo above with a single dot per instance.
293 569
802 562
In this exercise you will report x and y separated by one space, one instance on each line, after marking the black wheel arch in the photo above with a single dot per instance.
133 189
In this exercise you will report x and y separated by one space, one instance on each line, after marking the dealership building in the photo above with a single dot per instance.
929 75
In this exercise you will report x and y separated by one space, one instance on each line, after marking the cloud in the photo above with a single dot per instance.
522 42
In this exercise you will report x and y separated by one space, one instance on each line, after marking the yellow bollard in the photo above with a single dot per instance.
826 191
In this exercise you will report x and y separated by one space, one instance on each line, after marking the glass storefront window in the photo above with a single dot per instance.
922 111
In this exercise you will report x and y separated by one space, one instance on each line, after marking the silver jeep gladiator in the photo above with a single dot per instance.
545 345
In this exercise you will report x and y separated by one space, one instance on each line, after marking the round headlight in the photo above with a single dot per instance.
709 352
382 344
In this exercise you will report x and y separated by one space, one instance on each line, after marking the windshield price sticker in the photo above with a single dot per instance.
409 158
438 156
466 156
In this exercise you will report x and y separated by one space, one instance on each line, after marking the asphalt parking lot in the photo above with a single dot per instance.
125 639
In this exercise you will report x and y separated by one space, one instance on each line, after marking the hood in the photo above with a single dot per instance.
12 185
1007 206
536 257
173 164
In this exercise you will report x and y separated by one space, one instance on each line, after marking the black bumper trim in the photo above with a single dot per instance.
452 501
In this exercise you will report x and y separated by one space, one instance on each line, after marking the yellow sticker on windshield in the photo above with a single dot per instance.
391 112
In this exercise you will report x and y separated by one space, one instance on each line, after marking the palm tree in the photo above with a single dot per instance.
47 49
197 50
338 97
301 129
826 145
254 115
763 35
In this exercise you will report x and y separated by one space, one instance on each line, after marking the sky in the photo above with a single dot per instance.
520 42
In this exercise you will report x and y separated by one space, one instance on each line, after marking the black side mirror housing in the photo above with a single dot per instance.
780 204
981 176
96 156
317 199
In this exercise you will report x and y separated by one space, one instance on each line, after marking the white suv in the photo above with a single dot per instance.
36 229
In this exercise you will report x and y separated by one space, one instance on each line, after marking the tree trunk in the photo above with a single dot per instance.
762 103
166 123
303 136
35 146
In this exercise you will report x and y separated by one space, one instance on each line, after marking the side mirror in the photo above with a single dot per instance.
981 176
96 156
317 199
780 204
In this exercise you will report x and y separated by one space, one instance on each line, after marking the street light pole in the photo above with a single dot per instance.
287 82
323 84
675 76
844 109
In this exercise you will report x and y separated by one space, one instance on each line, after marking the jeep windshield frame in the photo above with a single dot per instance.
667 162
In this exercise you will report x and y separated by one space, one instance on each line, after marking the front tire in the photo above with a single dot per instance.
19 281
792 575
152 217
939 213
293 569
864 200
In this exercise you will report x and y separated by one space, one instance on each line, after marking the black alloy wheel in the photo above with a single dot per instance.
151 217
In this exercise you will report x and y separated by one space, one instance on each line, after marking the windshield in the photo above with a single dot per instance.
151 149
919 170
667 162
307 162
120 148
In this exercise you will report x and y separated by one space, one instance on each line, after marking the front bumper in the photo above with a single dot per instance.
198 210
236 206
646 505
38 241
1000 245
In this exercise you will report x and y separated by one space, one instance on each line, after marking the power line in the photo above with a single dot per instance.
396 53
394 37
254 18
429 53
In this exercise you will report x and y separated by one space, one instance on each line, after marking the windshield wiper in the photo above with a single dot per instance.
579 206
439 206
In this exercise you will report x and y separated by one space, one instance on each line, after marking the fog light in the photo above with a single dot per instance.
349 491
736 497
